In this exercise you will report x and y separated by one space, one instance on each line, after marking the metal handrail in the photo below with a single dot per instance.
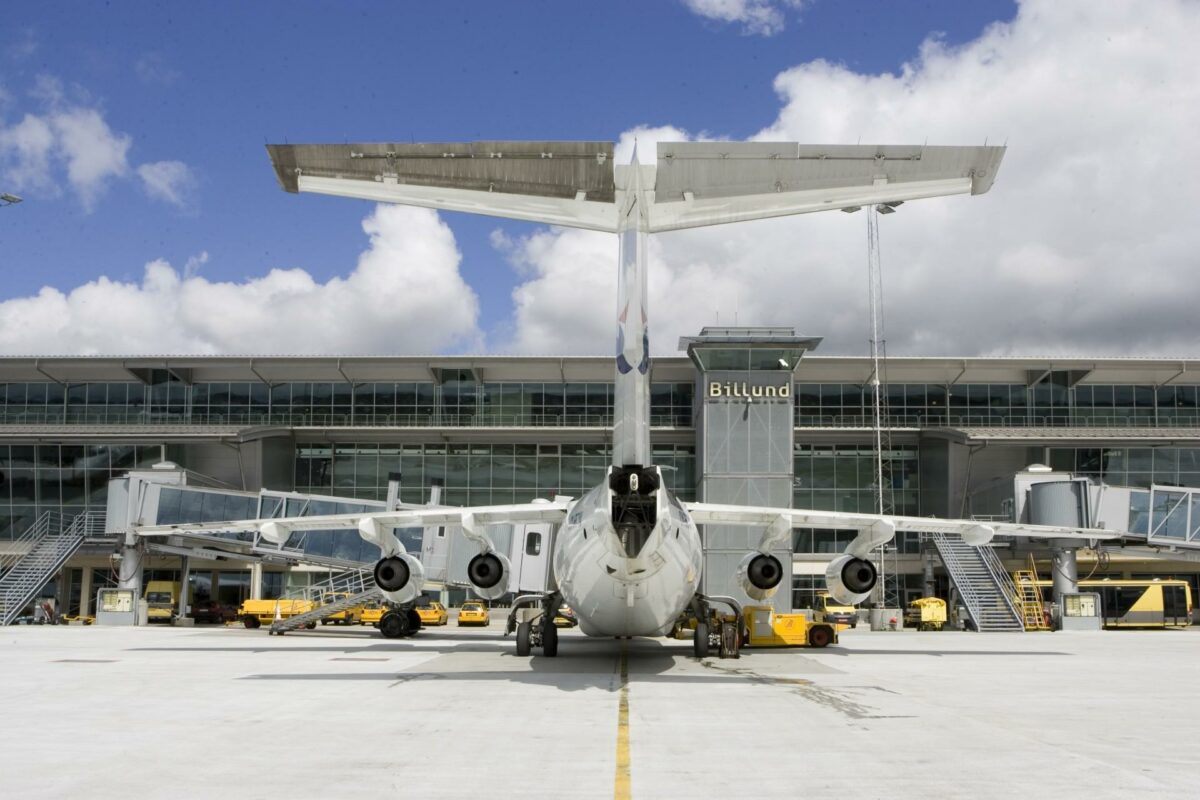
45 522
1008 589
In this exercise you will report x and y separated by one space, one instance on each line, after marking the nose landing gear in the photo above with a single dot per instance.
539 631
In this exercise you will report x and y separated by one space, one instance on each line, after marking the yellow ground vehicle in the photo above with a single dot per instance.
766 628
162 600
349 616
254 613
835 613
1146 603
434 613
473 612
926 614
373 611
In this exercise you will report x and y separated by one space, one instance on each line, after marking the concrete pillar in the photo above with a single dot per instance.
256 573
85 592
184 565
1066 571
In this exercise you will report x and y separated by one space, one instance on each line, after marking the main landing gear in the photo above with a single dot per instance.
400 622
715 632
539 630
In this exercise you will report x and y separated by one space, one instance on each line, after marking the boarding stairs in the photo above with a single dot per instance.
1029 598
47 546
982 582
357 584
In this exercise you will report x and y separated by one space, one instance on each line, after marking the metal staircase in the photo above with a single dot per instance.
984 585
358 584
49 544
1029 598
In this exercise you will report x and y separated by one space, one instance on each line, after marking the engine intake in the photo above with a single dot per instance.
850 579
488 574
400 577
760 575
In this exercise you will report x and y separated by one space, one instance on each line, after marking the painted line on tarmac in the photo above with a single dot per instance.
621 789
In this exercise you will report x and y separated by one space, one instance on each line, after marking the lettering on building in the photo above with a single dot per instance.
744 389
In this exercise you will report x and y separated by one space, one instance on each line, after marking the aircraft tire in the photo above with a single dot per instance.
523 635
393 625
700 640
550 641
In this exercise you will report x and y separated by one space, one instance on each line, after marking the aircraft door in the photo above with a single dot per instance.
531 556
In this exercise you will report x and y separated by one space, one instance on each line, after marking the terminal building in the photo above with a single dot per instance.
741 415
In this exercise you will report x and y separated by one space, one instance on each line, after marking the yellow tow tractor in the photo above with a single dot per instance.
473 612
373 611
349 616
433 613
254 613
926 614
767 628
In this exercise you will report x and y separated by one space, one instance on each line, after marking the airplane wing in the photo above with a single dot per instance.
377 526
560 183
876 529
710 183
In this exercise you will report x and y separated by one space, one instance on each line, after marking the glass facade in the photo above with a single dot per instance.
475 474
1131 466
457 401
842 477
35 478
1049 402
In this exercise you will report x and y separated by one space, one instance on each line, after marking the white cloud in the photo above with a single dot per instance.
153 68
68 143
1084 245
404 296
760 17
169 181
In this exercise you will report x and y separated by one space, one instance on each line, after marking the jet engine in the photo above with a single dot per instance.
759 575
400 577
488 573
850 579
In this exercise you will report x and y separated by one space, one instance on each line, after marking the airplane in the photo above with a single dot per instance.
628 554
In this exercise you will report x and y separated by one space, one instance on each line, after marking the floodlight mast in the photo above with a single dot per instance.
693 184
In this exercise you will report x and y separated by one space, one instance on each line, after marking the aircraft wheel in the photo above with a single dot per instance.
523 635
549 641
414 622
393 625
700 640
819 636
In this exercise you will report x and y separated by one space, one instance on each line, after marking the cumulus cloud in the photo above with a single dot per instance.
68 143
153 69
169 181
758 17
1085 244
405 295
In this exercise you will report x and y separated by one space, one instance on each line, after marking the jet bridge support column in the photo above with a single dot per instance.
1066 569
1061 503
129 571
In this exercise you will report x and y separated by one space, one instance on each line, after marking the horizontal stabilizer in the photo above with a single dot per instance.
561 183
710 183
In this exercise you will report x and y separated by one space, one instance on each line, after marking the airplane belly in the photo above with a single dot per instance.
615 596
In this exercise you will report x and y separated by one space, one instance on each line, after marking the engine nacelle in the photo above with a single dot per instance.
759 575
488 574
850 579
400 577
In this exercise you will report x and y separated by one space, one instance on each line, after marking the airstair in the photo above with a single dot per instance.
358 585
982 582
48 545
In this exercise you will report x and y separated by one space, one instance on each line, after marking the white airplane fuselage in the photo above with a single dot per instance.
614 593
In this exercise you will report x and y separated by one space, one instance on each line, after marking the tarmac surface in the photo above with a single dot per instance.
337 712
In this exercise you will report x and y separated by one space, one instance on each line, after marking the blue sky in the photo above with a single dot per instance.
207 87
135 132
